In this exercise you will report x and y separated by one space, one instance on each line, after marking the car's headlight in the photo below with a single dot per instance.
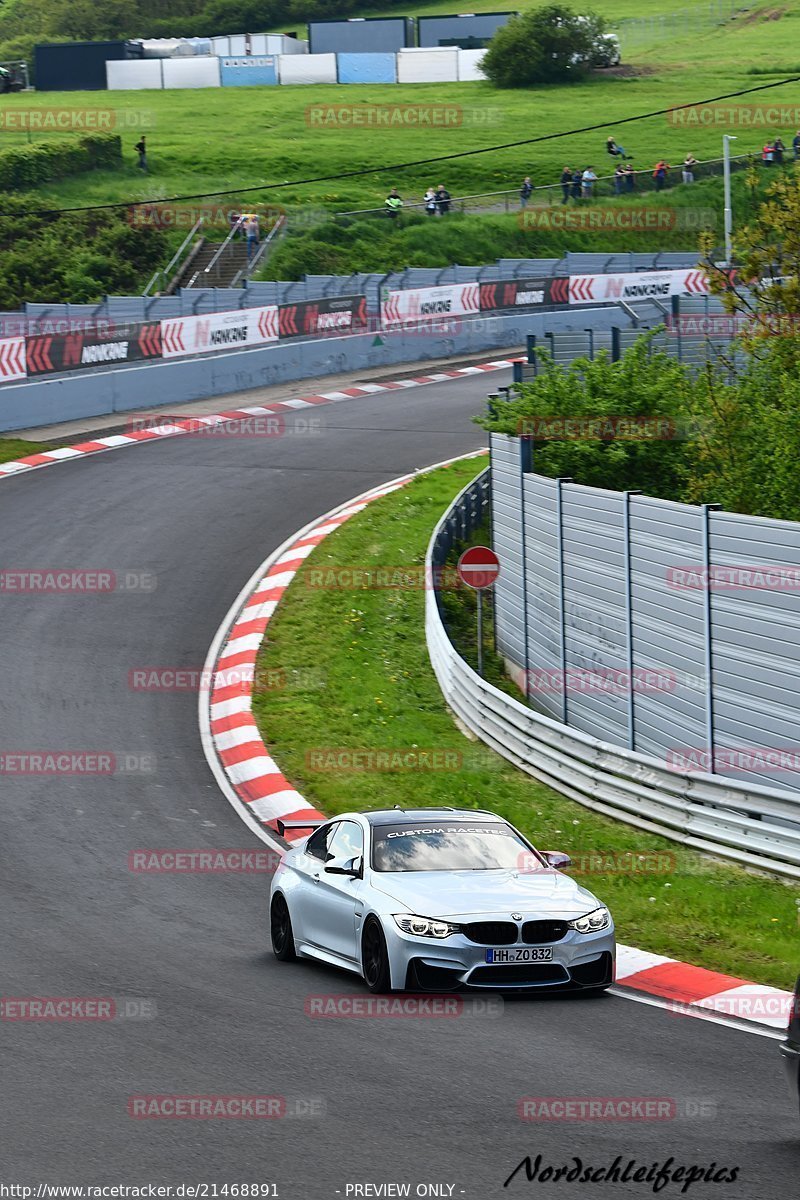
593 922
424 926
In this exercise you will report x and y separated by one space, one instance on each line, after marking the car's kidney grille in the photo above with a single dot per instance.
492 933
536 933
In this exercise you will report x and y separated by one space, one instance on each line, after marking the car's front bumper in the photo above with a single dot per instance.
579 961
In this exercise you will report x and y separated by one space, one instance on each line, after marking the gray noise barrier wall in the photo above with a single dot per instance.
667 629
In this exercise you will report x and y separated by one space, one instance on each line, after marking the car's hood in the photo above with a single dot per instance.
475 893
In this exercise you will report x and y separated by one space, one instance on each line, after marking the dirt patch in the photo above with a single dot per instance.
764 14
623 71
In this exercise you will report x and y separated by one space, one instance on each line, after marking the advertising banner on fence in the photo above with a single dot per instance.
79 350
524 293
330 314
430 303
12 359
219 331
657 285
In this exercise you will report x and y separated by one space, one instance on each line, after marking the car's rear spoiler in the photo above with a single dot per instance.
312 824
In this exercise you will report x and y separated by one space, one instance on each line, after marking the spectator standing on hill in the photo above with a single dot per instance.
566 184
525 191
430 202
687 171
768 154
141 150
577 182
796 145
660 174
442 201
619 179
393 202
779 149
588 180
630 178
252 231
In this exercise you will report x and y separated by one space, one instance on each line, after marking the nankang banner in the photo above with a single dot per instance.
430 304
233 330
649 285
523 293
329 315
76 351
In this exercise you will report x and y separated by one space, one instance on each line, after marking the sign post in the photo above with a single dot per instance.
478 568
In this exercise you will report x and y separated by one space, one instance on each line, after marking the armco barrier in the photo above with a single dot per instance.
147 385
756 826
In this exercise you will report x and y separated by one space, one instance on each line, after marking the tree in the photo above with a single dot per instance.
548 45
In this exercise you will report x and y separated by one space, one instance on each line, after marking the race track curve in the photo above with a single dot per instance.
405 1101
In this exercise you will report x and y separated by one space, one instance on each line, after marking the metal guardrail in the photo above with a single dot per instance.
552 193
242 276
163 273
752 825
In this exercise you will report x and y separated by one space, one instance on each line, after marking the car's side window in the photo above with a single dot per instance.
347 841
317 845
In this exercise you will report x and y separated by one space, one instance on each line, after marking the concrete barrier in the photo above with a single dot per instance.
130 389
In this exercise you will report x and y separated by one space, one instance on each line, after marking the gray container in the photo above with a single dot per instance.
370 35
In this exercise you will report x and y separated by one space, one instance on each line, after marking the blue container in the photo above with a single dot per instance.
367 68
253 71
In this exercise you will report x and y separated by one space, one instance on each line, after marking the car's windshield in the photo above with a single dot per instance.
457 845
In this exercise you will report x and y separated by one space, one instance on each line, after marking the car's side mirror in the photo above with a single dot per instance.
345 866
557 860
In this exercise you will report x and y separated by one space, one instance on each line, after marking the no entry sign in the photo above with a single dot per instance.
478 567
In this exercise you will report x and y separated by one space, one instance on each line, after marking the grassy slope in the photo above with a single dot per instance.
228 138
379 691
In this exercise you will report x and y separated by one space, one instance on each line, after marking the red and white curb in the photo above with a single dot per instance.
195 424
253 781
697 992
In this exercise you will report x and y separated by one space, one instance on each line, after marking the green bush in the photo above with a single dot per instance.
545 45
710 438
42 162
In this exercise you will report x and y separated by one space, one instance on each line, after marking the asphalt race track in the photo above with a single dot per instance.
405 1101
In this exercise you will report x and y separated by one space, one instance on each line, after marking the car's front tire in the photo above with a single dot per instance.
375 958
280 927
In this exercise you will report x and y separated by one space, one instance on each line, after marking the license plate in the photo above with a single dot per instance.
525 954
